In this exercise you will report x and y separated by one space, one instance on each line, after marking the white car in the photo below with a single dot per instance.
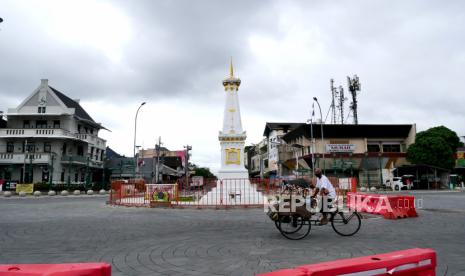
396 184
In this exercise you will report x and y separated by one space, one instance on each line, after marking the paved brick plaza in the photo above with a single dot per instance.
139 241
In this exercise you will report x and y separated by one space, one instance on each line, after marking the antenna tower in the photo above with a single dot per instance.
354 86
333 102
341 100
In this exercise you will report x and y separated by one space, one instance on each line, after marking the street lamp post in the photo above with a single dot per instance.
312 145
135 135
322 137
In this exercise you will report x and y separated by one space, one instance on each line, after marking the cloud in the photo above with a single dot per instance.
174 54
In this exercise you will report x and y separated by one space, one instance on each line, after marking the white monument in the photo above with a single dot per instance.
232 137
233 186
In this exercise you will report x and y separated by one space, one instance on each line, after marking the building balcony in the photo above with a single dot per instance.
91 139
80 160
57 133
21 158
75 159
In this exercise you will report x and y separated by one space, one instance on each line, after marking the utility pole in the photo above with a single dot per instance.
354 86
69 171
157 168
186 166
26 151
50 178
87 171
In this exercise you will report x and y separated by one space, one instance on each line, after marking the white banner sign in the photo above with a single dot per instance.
340 148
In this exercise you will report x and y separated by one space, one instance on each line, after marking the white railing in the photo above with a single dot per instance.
92 139
34 132
51 132
19 158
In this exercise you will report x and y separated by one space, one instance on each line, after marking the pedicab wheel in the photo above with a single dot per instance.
294 227
288 223
346 223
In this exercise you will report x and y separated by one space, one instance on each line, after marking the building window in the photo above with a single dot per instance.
101 155
62 176
56 124
80 150
373 148
91 151
29 147
79 128
41 124
391 148
76 177
41 109
47 147
64 149
26 124
10 147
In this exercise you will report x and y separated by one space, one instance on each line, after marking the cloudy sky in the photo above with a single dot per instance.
113 55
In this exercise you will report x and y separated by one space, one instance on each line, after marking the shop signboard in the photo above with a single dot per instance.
340 148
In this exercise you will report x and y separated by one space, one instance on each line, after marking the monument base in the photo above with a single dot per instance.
233 174
232 192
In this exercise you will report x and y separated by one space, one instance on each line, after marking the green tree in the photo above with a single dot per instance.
449 136
202 171
435 147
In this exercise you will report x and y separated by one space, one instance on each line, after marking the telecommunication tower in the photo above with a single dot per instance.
354 86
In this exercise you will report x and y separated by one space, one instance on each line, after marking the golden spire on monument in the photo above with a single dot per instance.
231 80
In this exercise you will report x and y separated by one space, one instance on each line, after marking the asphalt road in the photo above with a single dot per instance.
142 241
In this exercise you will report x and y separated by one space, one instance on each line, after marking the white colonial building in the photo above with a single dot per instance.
50 138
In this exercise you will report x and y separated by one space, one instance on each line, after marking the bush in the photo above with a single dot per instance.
63 187
41 186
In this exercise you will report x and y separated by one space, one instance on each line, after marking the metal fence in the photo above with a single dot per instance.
128 193
211 193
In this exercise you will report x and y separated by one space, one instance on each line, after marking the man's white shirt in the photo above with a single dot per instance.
324 182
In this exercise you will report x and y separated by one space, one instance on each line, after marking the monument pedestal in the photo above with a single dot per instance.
233 174
232 192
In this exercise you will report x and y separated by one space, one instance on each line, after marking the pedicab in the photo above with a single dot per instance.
296 223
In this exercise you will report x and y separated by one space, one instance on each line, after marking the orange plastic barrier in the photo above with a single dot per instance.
76 269
353 186
413 262
389 206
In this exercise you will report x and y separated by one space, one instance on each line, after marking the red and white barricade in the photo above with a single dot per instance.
412 262
389 206
76 269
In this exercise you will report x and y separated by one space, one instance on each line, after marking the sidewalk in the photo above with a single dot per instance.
45 195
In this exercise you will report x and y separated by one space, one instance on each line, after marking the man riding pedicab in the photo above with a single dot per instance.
327 192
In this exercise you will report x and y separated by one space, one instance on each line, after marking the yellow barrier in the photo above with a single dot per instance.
28 188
